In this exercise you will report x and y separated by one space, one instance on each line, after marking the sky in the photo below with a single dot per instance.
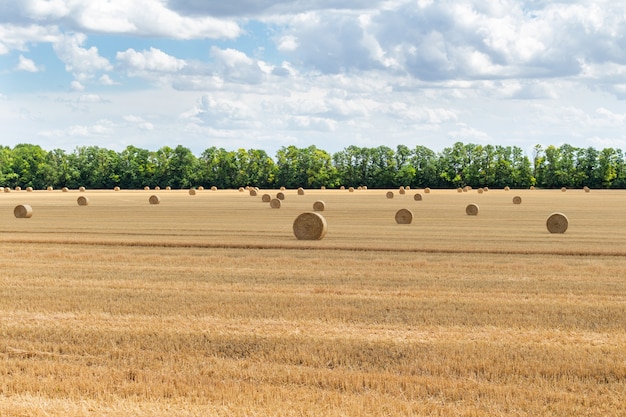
261 74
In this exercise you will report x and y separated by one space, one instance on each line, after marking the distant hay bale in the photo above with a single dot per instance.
466 189
280 196
275 203
192 191
252 192
404 216
351 189
532 187
154 199
480 191
146 188
485 189
116 188
517 200
82 201
459 190
18 188
507 188
29 189
323 187
407 187
266 198
586 189
241 189
309 226
23 211
365 187
65 189
360 188
342 188
81 189
319 205
200 188
168 188
401 190
50 188
283 189
557 223
563 189
157 188
471 209
300 191
7 190
389 194
417 197
426 190
214 188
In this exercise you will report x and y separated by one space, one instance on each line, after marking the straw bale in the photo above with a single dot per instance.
404 216
23 211
310 226
471 209
557 223
319 205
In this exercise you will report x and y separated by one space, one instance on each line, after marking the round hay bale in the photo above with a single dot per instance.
360 188
459 190
480 191
309 226
157 188
389 194
154 199
81 189
65 189
146 188
266 198
300 191
241 189
517 200
280 196
417 197
275 203
49 188
407 187
342 188
401 190
404 216
485 189
82 201
471 209
365 187
116 188
507 188
587 189
18 188
214 188
426 190
283 189
168 188
7 190
319 205
252 192
563 189
351 189
323 187
29 189
466 189
557 223
532 187
192 191
23 211
200 188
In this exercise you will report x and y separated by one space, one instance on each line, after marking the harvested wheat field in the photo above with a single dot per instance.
208 305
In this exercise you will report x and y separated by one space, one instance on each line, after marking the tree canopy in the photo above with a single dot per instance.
27 165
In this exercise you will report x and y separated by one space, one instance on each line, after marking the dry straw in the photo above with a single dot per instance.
300 191
49 188
532 187
563 189
157 188
507 188
192 191
252 192
480 191
214 188
18 188
557 223
154 199
116 188
7 190
280 196
309 226
283 189
65 189
168 188
146 188
471 209
241 189
517 200
587 189
82 201
200 188
319 205
404 216
342 188
81 189
23 211
29 189
351 189
266 198
426 190
275 203
389 194
401 190
459 190
417 197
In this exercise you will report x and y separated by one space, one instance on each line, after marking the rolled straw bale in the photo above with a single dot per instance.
319 205
323 187
241 189
360 188
587 189
192 191
200 188
81 189
365 187
351 189
154 199
214 188
23 211
480 191
466 189
300 191
407 187
532 187
49 188
426 190
157 188
471 209
507 188
280 196
168 188
29 189
517 200
146 188
417 197
283 189
389 194
485 188
459 190
563 189
404 216
309 226
116 188
65 189
82 201
401 190
557 223
342 188
7 190
266 198
252 192
275 203
18 188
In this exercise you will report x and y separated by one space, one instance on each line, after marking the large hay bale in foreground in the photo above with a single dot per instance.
275 203
389 194
82 201
404 216
517 200
471 209
417 197
154 199
23 211
319 205
266 198
557 223
309 226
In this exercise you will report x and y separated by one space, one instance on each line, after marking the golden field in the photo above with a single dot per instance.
207 305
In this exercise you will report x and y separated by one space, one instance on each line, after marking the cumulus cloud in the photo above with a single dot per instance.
27 65
82 62
152 60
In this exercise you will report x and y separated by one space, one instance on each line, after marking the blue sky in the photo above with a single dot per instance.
265 74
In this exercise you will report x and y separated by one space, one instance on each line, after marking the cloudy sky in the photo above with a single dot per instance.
264 74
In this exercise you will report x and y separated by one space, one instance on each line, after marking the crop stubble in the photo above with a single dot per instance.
209 305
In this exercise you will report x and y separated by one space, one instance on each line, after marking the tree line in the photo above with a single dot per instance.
27 165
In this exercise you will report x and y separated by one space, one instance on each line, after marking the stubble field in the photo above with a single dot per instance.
207 305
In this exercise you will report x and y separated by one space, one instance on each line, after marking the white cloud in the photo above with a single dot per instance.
27 65
17 37
83 63
153 60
